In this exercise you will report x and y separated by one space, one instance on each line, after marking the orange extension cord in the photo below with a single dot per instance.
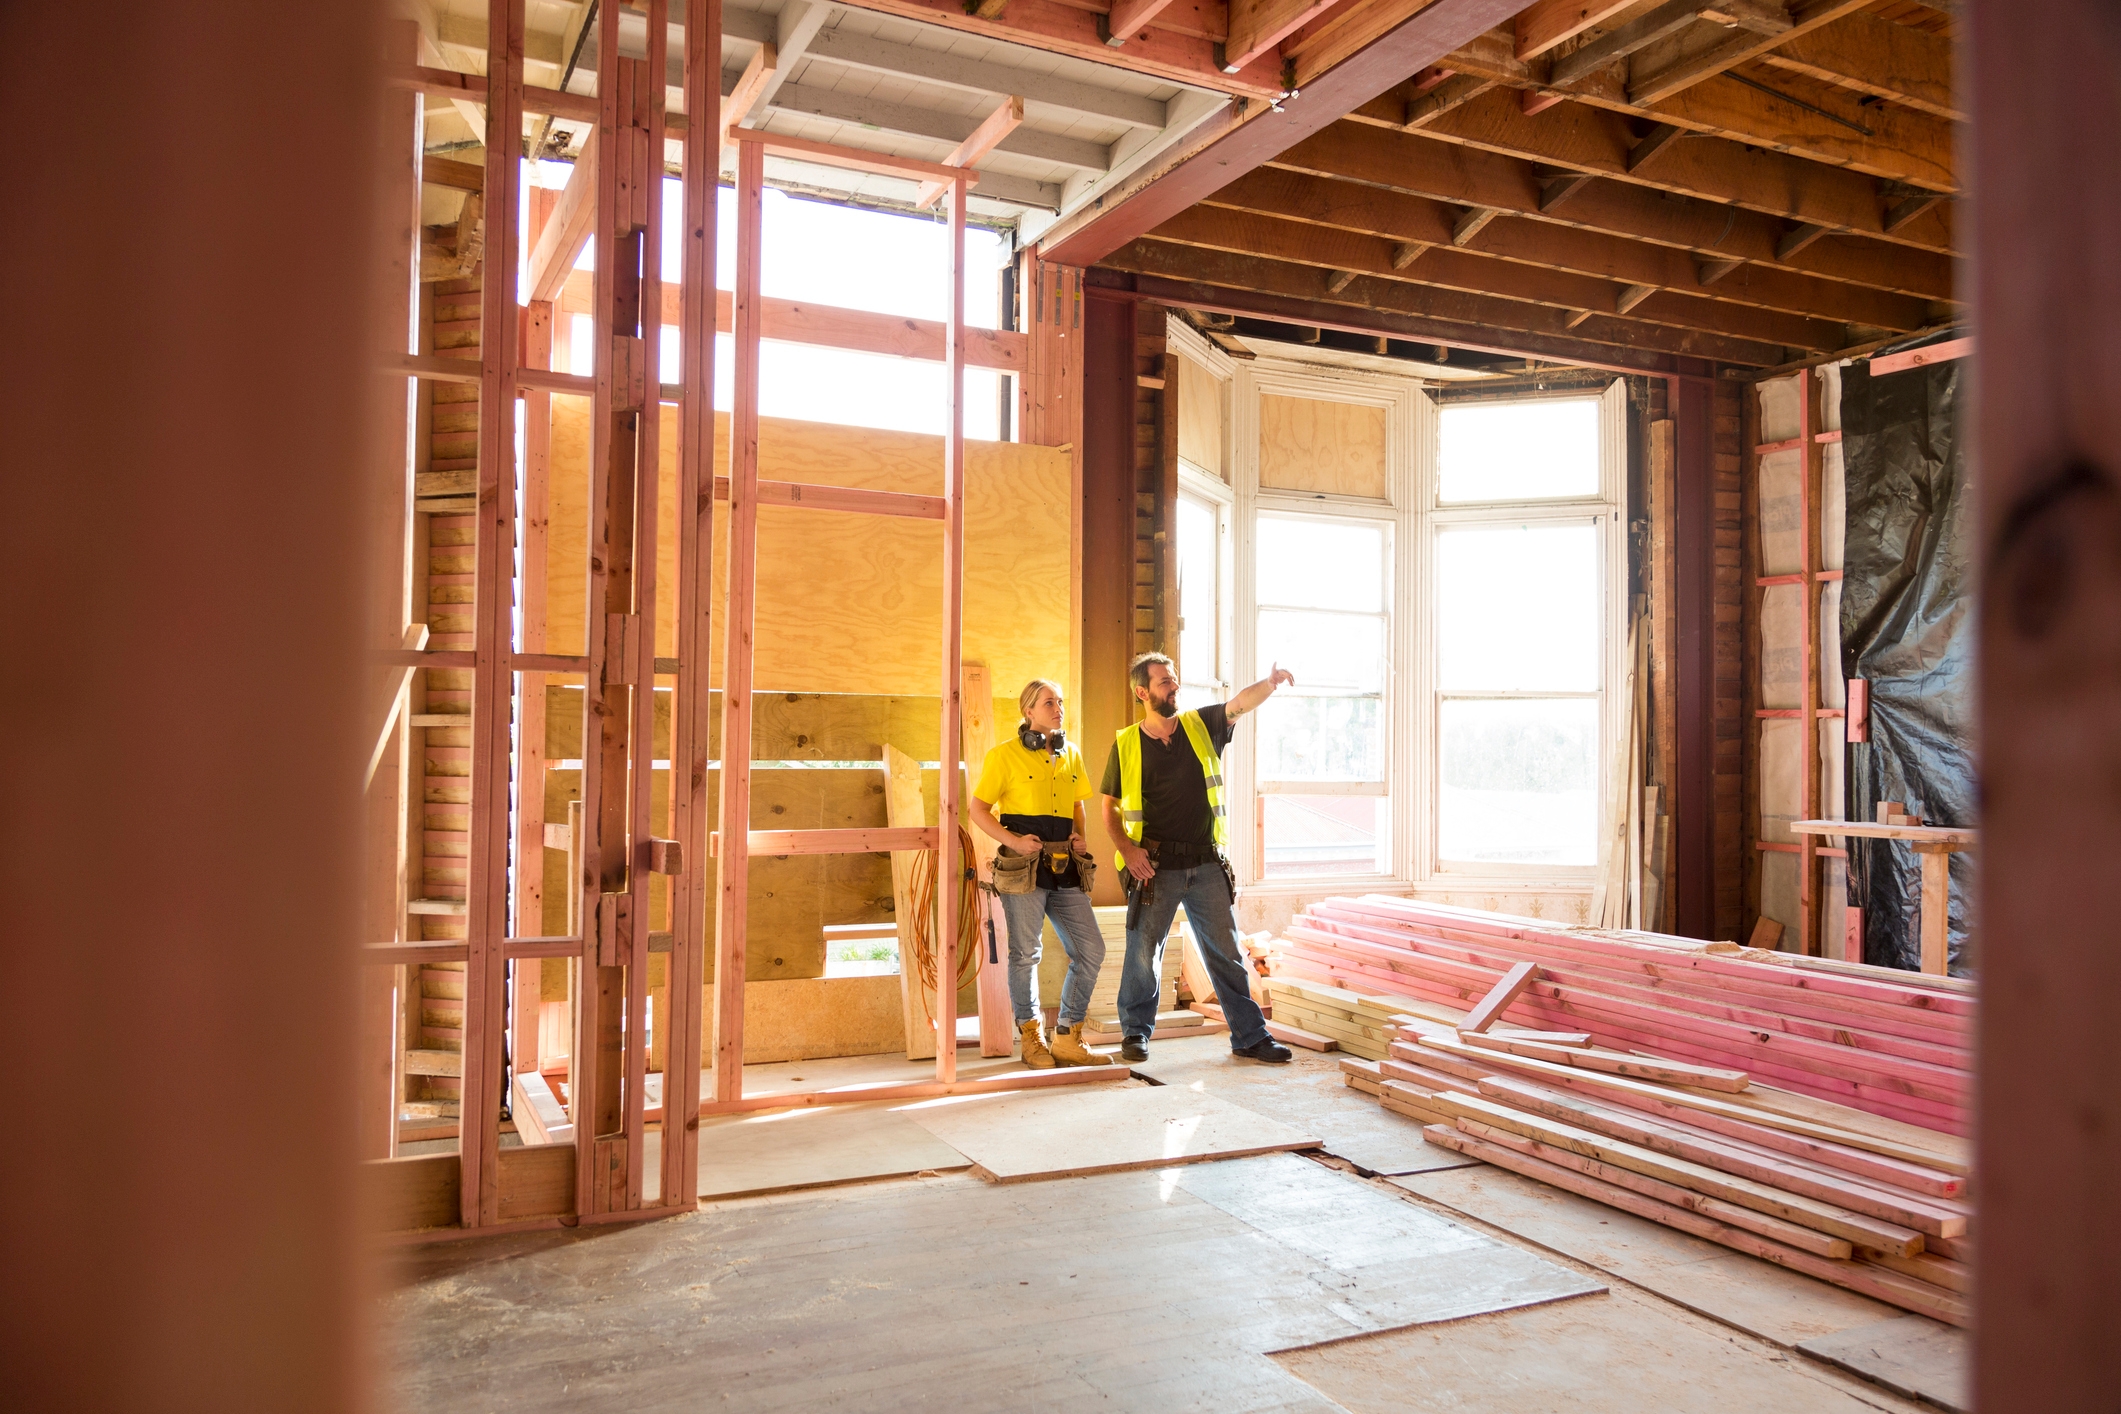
968 916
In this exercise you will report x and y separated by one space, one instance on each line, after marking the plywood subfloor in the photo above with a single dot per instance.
1622 1353
1015 1137
1308 1093
1911 1354
814 1147
1151 1290
1771 1302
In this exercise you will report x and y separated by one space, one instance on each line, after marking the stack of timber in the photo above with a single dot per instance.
1870 1205
1102 1021
1361 1025
1892 1044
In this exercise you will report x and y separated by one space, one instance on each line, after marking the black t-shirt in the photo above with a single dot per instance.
1174 792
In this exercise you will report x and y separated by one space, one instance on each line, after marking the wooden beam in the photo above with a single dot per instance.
1659 139
1600 140
1472 224
840 498
1797 239
801 322
1128 18
1870 55
1459 318
1924 357
1895 143
1491 1007
1611 48
738 106
984 139
853 159
1465 176
1679 61
1257 27
560 244
1245 143
1550 22
1345 252
1289 306
1454 92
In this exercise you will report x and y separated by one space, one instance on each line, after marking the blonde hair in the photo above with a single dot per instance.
1029 695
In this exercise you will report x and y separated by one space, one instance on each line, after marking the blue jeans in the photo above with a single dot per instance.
1077 926
1205 891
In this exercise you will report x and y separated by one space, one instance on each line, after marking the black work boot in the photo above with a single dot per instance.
1133 1049
1271 1051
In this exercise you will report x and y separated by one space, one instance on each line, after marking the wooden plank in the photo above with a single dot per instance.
1612 1063
924 1089
1637 1094
903 807
739 626
1851 1275
1493 1005
1013 1139
982 140
1259 26
786 842
949 864
560 244
1297 1036
997 1015
1936 908
401 1195
537 1180
485 1006
813 497
1763 1198
851 158
1922 357
749 86
1549 22
1869 54
1791 1234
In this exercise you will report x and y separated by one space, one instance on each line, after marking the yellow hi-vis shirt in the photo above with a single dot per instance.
1015 780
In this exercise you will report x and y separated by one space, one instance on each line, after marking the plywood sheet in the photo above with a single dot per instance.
814 1148
1308 1093
1321 447
853 603
1011 1138
813 1017
1910 1355
1200 417
1625 1354
1770 1301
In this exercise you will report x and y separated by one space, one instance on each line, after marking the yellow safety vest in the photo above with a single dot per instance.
1129 745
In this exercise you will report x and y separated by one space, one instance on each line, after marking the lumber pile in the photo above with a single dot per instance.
1698 1141
1893 1044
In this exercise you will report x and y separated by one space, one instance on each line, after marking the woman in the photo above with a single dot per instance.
1030 797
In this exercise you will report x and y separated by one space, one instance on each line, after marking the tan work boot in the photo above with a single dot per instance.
1033 1045
1068 1047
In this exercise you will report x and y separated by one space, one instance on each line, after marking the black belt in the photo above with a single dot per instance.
1171 855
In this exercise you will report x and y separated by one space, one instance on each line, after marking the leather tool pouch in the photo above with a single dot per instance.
1086 871
1014 873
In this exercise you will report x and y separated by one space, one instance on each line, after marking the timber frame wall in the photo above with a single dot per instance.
614 201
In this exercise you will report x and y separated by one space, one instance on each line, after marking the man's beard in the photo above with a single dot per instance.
1165 707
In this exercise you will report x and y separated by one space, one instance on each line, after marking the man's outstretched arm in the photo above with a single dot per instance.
1258 692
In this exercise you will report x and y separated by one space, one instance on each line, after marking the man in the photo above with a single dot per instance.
1163 801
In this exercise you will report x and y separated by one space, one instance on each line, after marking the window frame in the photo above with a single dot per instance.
1194 484
1414 515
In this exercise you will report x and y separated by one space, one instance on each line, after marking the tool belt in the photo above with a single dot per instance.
1017 873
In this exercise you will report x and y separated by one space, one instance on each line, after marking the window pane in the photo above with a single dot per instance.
1518 782
1318 835
1518 451
1199 567
1321 564
1518 608
1321 738
1341 652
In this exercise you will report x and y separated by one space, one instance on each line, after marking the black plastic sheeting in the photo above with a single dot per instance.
1907 627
